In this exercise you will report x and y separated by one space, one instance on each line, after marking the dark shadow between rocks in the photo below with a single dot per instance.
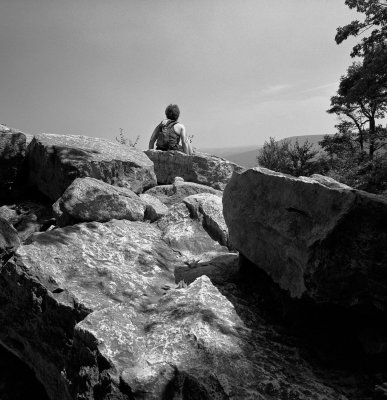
17 381
345 348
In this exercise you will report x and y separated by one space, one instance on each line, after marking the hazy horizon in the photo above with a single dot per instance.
240 73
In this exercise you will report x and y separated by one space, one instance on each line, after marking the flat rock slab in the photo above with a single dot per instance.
191 344
65 274
101 264
312 237
201 168
89 199
56 160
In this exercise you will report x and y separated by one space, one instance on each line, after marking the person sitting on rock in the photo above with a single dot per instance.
168 133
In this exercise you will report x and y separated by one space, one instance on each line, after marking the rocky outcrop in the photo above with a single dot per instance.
176 192
321 240
56 160
12 154
201 168
94 309
88 199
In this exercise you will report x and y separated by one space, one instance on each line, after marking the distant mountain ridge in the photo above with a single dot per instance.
246 156
243 155
314 139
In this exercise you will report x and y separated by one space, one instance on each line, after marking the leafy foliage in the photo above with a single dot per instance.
123 139
342 159
282 156
375 18
356 154
362 99
274 155
345 162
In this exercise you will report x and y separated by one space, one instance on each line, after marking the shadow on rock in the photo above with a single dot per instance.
17 381
343 349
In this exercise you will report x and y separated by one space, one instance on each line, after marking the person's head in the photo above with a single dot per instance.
172 112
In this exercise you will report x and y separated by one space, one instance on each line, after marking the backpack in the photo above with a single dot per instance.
167 138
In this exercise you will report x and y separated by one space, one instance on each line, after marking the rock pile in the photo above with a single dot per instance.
133 291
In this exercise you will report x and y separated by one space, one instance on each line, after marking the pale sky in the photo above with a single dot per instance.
240 71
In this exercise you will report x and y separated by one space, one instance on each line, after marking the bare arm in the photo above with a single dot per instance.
184 141
154 137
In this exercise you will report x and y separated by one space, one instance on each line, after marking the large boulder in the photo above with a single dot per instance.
201 168
56 160
67 273
89 199
12 153
176 192
328 242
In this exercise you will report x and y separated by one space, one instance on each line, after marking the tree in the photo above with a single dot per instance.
362 99
375 12
284 157
302 159
343 141
355 154
274 155
345 162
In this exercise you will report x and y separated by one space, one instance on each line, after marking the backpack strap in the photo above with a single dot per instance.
168 124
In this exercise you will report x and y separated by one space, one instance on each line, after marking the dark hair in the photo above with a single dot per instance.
172 112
